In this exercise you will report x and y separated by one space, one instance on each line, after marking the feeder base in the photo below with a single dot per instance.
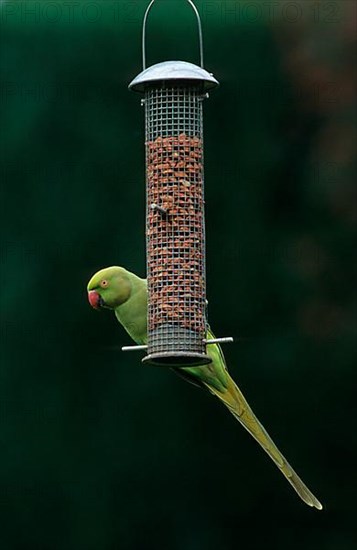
178 359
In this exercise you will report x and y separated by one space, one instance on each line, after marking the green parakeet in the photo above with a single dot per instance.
125 293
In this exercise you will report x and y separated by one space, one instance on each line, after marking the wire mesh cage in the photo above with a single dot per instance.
175 219
175 222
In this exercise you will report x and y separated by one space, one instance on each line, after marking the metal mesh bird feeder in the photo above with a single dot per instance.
175 227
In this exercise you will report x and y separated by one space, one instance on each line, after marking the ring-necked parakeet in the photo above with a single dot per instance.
125 293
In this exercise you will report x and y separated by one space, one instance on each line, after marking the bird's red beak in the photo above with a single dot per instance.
94 299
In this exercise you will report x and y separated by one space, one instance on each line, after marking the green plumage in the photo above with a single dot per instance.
126 294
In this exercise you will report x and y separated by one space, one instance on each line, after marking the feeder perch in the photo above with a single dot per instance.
175 227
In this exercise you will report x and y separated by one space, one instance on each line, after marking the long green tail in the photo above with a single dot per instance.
235 401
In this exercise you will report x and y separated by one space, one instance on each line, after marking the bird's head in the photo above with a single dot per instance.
109 288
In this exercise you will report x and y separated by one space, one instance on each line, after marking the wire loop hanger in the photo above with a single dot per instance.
200 35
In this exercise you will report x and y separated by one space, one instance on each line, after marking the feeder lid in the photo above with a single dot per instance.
173 70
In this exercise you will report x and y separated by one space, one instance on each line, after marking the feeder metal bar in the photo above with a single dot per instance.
227 340
134 348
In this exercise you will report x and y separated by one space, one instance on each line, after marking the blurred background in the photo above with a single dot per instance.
97 451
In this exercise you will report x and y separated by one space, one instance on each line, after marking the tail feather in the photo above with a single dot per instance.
235 401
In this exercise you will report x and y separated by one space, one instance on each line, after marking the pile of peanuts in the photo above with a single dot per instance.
175 232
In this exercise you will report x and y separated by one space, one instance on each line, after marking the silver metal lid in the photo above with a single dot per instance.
173 70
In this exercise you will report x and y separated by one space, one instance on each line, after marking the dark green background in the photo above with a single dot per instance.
97 451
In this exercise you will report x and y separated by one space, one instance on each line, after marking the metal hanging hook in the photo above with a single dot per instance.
200 35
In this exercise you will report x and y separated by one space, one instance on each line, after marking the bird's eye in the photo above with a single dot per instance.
104 283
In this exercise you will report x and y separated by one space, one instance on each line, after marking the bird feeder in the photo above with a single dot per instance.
173 95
